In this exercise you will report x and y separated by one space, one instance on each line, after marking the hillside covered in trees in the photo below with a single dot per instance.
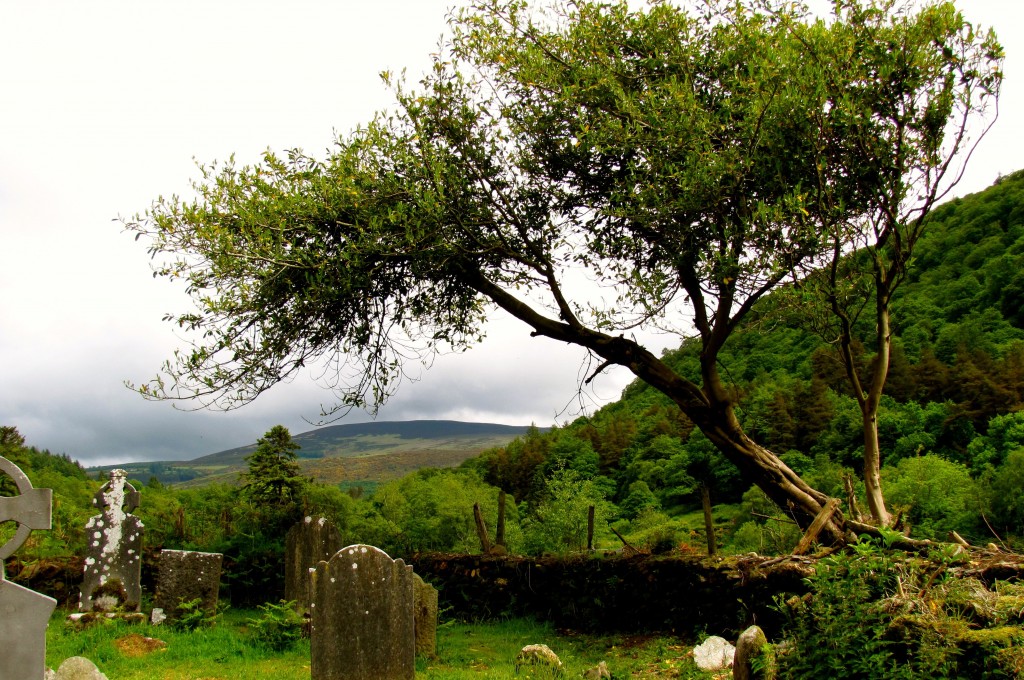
951 423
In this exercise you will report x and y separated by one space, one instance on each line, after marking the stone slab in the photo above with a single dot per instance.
184 576
362 617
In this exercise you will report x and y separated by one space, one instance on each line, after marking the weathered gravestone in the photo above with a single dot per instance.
23 612
183 577
113 561
307 544
425 616
752 644
362 610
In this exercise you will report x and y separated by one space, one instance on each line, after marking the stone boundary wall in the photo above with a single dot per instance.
680 595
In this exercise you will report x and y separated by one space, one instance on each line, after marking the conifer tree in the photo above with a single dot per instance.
273 475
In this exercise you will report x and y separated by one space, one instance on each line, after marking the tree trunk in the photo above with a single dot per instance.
708 406
499 535
709 522
762 467
590 528
481 529
872 468
869 407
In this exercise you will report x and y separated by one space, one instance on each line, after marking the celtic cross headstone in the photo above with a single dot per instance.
23 613
113 561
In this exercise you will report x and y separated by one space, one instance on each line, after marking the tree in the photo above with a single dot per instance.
670 155
559 521
273 474
12 447
901 132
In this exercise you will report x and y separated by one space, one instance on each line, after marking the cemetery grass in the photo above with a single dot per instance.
225 651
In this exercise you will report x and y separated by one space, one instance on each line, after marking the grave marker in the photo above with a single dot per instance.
307 544
113 561
425 617
363 626
185 576
23 613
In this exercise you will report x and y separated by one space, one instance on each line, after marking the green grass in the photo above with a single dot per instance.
483 650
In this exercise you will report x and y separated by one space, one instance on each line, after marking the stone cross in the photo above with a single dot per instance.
113 561
307 544
23 613
362 612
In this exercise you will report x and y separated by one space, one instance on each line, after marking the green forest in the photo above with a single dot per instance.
951 426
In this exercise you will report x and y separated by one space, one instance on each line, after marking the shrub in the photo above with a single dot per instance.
872 615
278 628
192 616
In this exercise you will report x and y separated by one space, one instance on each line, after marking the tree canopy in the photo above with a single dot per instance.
686 160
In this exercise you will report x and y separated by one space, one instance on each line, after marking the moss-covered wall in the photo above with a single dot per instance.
681 595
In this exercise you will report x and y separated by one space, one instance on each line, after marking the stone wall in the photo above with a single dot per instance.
615 594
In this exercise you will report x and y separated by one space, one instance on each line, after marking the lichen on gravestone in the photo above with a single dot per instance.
425 617
186 576
362 617
113 561
308 543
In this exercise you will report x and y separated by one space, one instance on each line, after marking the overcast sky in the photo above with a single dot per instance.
103 107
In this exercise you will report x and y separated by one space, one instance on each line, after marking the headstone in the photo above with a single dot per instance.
425 617
714 654
751 645
362 609
113 561
23 613
186 576
307 544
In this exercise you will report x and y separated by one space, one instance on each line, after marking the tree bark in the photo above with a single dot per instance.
869 409
709 522
481 529
590 528
499 532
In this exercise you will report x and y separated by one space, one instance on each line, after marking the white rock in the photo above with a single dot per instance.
537 655
157 616
79 668
714 654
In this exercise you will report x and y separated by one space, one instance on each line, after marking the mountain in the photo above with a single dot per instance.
354 454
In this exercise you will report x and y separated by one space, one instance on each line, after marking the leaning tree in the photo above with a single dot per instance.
676 157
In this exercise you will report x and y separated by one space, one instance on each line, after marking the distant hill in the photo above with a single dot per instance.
356 454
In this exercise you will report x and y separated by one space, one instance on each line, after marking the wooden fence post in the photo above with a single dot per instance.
481 529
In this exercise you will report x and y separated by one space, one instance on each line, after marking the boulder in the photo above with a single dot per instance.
714 654
78 668
537 655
